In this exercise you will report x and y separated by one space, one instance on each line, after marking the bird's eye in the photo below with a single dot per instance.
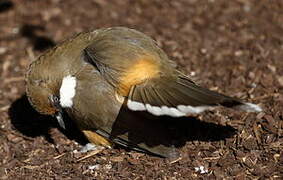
54 99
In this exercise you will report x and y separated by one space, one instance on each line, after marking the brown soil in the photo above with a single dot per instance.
234 47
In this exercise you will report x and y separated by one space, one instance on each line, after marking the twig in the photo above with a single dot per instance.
4 108
92 153
265 96
30 54
14 79
60 155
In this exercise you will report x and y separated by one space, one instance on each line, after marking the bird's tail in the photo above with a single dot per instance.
180 97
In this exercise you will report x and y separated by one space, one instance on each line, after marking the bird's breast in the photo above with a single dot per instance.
95 103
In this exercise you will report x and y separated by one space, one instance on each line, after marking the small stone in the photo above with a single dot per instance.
193 73
108 166
272 68
203 51
239 53
3 50
94 167
247 8
201 169
280 80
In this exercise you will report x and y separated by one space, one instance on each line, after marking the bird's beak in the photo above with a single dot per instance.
60 119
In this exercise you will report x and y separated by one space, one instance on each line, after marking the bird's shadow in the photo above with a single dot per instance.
152 131
40 42
6 5
161 135
32 124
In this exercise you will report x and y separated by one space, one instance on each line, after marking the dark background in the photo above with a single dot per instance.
234 47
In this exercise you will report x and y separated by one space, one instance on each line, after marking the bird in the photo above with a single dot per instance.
117 85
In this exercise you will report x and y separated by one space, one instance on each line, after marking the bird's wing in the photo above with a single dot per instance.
176 96
96 109
139 70
125 57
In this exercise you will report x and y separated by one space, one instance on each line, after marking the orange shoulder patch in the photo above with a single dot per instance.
143 69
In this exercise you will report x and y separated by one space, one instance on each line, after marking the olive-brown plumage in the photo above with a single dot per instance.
114 83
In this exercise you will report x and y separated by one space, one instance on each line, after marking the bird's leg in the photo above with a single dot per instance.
97 139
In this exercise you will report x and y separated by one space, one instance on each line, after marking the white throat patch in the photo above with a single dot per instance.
67 91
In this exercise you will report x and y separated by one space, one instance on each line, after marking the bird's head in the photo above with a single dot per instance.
42 89
41 97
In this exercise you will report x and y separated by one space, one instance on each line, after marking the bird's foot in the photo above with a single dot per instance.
91 150
89 147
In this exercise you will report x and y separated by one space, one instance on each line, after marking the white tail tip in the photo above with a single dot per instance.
248 107
179 111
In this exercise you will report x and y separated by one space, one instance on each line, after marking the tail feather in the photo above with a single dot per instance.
180 97
248 107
